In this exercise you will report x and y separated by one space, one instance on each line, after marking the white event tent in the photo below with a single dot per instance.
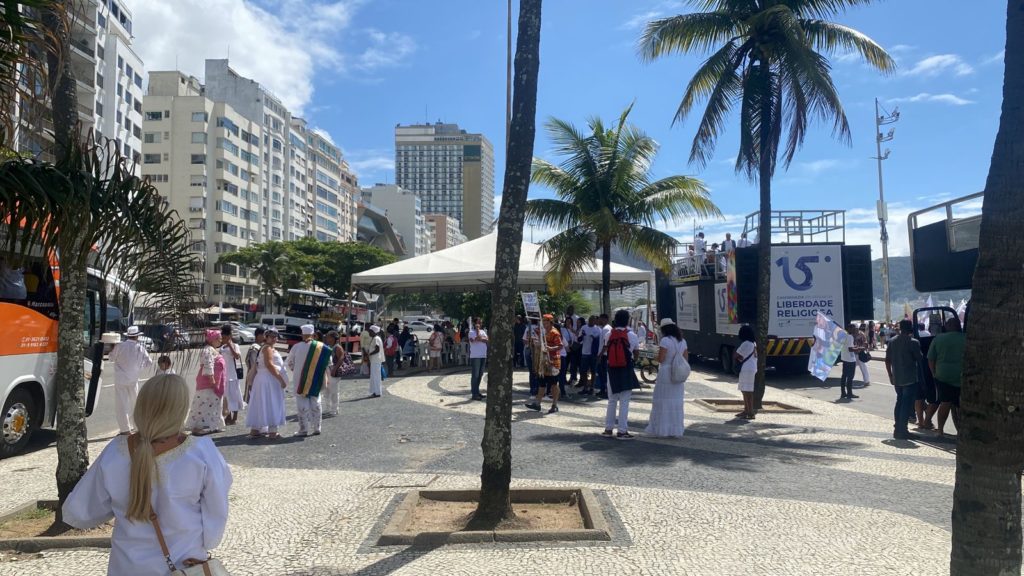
469 267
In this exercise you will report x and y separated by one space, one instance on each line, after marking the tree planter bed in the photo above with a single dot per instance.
25 518
436 517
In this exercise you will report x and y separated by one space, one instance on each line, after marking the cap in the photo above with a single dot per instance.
666 322
133 332
374 328
308 329
548 317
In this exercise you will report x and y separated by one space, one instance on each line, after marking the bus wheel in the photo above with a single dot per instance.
16 423
725 357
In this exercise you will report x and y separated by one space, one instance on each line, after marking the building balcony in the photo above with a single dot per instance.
85 48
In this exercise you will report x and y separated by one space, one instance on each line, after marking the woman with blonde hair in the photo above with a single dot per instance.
129 483
207 415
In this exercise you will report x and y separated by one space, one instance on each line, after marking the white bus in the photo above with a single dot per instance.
29 313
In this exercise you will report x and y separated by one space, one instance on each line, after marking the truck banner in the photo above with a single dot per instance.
722 323
730 283
828 343
805 280
687 308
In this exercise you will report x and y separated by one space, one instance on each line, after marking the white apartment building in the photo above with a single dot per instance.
204 156
331 202
403 209
109 79
444 231
451 170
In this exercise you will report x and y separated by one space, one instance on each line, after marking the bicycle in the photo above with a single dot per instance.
648 365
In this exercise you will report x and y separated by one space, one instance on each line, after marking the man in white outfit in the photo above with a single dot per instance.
376 351
307 384
129 358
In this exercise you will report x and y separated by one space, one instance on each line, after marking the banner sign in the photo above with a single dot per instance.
687 308
531 304
722 323
805 280
828 343
730 285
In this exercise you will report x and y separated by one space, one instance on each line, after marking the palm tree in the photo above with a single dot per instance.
605 197
496 446
769 57
93 212
23 62
990 450
273 263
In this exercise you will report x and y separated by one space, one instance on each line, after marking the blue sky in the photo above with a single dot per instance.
358 67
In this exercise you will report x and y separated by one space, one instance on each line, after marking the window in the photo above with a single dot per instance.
120 90
154 115
151 138
227 124
200 117
99 80
138 106
150 158
127 151
128 71
197 180
127 96
199 137
99 108
227 145
249 157
138 80
99 51
120 62
136 131
198 159
119 116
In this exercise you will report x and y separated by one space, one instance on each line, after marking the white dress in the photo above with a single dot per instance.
266 400
667 402
748 371
232 384
192 507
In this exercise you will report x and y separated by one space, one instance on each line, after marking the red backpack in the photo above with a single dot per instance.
618 349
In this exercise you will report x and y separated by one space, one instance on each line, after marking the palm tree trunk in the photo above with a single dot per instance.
606 278
990 451
61 77
496 472
764 233
72 435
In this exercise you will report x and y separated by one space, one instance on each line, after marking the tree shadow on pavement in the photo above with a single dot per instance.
244 440
386 565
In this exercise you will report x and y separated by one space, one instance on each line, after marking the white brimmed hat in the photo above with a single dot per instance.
665 322
133 332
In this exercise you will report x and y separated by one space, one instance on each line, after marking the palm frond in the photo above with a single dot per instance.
550 213
721 98
672 199
699 31
575 147
829 37
650 244
568 253
822 8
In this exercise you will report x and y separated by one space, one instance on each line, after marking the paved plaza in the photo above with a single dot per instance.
823 493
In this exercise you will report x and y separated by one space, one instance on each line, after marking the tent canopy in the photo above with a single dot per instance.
469 267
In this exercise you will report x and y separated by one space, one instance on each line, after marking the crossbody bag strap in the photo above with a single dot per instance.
163 543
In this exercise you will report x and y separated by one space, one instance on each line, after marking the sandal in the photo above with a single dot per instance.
273 436
607 433
254 435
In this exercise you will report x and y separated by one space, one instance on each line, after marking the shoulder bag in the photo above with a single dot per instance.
209 567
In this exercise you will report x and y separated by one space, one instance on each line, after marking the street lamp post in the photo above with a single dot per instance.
883 213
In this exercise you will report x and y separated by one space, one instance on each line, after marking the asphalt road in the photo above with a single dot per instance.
876 398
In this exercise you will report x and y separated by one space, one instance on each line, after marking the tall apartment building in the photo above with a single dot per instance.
108 75
204 156
444 231
404 209
330 192
451 170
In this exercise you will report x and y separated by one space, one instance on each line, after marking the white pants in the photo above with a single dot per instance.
622 400
863 371
124 405
376 382
310 414
330 393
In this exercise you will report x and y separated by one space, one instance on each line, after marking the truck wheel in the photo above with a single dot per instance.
16 424
725 357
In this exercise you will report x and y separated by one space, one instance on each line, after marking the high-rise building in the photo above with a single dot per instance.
204 157
444 231
403 209
108 77
451 170
331 189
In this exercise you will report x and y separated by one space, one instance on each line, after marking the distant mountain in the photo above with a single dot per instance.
901 286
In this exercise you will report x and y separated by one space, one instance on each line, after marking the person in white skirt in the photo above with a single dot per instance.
266 400
667 412
376 353
746 358
206 415
333 388
233 367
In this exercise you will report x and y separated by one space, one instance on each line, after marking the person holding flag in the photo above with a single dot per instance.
308 362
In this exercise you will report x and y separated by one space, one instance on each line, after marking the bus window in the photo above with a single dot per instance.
30 285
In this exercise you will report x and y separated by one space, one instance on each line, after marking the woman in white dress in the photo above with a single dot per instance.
158 470
746 358
266 400
667 402
232 365
207 415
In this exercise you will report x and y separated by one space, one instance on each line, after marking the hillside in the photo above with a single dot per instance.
901 285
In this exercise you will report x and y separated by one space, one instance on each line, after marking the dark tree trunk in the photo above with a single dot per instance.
496 474
72 436
606 278
990 451
764 235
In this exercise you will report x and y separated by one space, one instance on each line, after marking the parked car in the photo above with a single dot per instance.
419 326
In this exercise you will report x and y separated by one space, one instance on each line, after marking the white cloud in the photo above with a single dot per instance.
951 99
816 167
902 48
996 58
940 64
371 164
386 49
640 20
